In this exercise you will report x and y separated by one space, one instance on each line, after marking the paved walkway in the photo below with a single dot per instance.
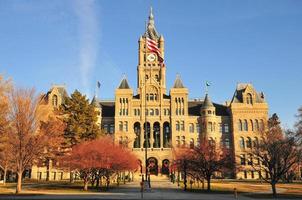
161 189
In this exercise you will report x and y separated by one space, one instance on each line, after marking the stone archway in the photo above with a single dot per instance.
165 167
153 165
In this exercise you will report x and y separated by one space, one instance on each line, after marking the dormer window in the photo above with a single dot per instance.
249 98
55 100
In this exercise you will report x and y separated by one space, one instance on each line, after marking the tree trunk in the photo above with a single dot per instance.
85 184
274 189
209 183
4 175
19 183
71 180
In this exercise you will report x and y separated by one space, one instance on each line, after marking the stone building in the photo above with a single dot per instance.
171 119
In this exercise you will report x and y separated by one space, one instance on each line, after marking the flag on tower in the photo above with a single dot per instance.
98 84
153 47
208 83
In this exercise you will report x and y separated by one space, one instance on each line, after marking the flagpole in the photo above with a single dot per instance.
146 132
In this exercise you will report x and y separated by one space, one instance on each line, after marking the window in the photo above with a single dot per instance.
120 126
182 126
156 112
249 142
138 112
245 174
255 142
151 112
209 112
126 126
177 126
210 127
151 97
252 174
197 128
242 159
257 125
146 112
183 140
191 128
242 143
55 100
111 128
240 125
250 160
177 141
261 125
249 98
191 143
227 143
220 128
135 112
226 128
252 125
245 125
105 128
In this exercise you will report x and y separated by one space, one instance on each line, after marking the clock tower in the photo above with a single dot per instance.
151 71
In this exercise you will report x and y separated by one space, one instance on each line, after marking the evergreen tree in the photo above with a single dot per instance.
81 119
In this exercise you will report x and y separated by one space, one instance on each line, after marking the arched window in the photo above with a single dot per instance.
255 142
257 125
177 126
210 127
261 125
240 125
151 97
120 126
249 142
191 128
137 131
249 98
177 141
183 141
245 125
191 143
242 143
55 100
126 126
156 112
151 112
252 125
182 126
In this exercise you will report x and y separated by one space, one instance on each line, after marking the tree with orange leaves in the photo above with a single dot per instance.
100 155
277 153
202 161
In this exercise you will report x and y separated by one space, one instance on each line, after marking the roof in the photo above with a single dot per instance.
108 108
178 82
124 84
207 102
195 106
241 88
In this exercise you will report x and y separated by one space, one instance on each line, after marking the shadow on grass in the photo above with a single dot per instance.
270 196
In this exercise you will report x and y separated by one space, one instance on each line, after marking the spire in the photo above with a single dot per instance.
95 102
178 82
207 102
124 84
151 30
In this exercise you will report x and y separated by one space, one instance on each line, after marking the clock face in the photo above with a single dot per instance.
151 57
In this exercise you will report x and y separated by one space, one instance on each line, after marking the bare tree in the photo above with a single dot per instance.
26 141
277 154
5 87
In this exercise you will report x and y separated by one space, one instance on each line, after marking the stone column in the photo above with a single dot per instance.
151 139
161 135
141 136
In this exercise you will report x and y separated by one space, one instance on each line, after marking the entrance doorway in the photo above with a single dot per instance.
152 165
165 167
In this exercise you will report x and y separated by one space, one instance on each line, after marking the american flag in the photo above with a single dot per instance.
152 46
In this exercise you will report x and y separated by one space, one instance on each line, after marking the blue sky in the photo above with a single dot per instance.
79 42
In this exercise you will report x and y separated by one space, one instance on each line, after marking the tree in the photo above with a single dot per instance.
209 159
26 141
81 119
100 155
277 153
298 125
55 127
5 87
183 158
